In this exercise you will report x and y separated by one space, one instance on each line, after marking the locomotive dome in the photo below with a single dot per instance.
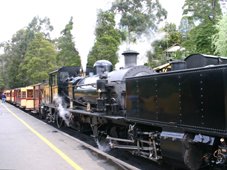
102 66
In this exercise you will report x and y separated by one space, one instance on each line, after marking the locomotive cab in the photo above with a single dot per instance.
58 81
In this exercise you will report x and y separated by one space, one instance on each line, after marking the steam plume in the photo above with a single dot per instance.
63 112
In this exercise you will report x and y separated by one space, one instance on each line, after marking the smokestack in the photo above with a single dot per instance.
130 58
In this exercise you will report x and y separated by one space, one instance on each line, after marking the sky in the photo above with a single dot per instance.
17 14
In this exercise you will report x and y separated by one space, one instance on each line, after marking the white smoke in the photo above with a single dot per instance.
105 147
85 26
141 46
63 112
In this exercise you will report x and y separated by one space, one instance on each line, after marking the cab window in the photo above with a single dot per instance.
63 76
53 80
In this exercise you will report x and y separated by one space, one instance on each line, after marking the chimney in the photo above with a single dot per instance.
130 58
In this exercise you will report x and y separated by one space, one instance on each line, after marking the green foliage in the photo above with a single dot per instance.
14 55
16 48
40 25
67 55
172 37
2 82
199 11
219 39
107 39
200 39
40 59
139 16
200 16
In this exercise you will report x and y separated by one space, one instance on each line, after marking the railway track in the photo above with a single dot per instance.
120 159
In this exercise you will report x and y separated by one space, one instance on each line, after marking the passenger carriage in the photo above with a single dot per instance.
30 102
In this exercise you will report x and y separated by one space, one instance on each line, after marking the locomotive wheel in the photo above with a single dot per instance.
59 120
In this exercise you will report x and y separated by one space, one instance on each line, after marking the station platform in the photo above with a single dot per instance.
26 143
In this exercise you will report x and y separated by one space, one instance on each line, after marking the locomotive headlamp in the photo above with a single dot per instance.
222 140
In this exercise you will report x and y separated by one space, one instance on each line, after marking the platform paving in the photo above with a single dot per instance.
27 143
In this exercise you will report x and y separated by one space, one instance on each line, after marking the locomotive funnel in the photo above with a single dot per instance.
130 58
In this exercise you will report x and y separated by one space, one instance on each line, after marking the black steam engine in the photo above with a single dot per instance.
180 115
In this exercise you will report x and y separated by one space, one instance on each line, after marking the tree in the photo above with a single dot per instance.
2 72
40 25
201 16
172 37
67 55
219 39
107 39
14 53
200 39
15 49
40 59
199 11
139 16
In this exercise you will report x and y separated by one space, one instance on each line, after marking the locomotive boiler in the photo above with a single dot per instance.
106 91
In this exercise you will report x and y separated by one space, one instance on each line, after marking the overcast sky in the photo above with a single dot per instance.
16 14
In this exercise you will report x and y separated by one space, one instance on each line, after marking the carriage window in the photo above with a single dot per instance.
23 94
29 93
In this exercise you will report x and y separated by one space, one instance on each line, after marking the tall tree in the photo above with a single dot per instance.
67 55
14 55
203 15
107 39
40 59
2 70
199 11
14 50
219 39
40 25
199 39
139 16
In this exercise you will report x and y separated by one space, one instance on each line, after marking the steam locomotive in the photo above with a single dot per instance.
177 116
